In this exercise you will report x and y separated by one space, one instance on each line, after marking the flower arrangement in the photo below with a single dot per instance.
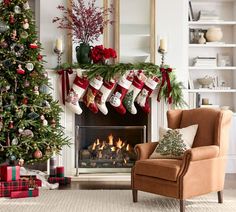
99 54
85 20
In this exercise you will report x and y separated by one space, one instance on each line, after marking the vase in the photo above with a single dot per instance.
214 34
82 53
202 40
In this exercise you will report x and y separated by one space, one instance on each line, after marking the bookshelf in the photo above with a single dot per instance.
219 14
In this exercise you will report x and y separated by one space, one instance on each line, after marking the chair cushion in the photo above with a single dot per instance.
166 169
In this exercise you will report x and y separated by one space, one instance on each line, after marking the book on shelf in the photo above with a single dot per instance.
208 15
205 61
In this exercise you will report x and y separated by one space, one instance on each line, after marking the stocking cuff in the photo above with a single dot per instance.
151 83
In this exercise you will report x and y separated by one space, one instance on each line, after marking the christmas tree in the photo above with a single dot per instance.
29 118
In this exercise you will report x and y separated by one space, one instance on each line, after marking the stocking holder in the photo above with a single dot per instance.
59 54
162 52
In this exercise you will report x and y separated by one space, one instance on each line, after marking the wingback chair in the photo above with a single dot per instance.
202 168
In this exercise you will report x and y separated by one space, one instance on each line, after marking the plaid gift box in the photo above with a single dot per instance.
60 171
10 173
60 180
19 185
23 194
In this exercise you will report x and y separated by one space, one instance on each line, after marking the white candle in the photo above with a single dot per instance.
163 44
59 44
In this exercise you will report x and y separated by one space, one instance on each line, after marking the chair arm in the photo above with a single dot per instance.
202 153
145 150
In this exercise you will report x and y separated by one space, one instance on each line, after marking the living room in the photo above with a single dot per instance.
107 105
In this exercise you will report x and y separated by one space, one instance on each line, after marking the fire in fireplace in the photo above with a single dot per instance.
109 153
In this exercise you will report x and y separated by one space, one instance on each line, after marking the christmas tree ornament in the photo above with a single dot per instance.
17 49
46 104
14 35
26 5
3 27
26 133
24 35
44 89
29 66
21 162
89 97
20 70
33 115
12 158
119 93
25 100
79 86
7 2
135 88
38 154
149 86
26 24
26 83
17 9
33 45
39 57
3 44
53 123
11 125
14 141
36 90
11 19
103 94
44 121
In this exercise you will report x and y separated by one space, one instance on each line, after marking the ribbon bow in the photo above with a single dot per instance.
165 79
65 85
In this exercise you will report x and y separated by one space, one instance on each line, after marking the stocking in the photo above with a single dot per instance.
103 94
147 90
89 97
119 94
133 92
79 86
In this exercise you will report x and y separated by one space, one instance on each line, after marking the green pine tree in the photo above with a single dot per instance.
29 118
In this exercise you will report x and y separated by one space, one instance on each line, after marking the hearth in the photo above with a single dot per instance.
106 143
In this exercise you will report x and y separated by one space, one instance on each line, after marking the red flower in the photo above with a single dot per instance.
99 54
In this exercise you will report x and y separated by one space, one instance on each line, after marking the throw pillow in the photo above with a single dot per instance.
173 143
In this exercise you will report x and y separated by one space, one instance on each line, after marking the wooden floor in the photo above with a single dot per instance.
230 183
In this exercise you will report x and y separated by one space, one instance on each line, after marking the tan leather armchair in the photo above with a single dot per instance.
202 169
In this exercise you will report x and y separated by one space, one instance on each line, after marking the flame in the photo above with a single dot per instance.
97 142
113 149
120 144
94 146
110 138
103 145
127 147
125 161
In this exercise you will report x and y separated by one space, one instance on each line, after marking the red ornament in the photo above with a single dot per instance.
33 45
20 70
11 125
25 100
11 19
6 2
38 154
39 57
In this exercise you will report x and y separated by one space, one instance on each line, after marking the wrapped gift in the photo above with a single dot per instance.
60 180
23 194
10 173
60 171
19 185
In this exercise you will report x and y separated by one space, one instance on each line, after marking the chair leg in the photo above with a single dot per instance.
220 196
135 195
182 205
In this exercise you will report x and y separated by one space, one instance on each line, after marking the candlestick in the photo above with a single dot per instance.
162 52
59 50
163 44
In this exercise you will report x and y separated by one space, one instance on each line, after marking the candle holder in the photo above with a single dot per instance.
59 54
162 52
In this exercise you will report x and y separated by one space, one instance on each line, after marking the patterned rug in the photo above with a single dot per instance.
113 201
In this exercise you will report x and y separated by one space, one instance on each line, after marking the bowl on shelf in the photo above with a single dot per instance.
205 82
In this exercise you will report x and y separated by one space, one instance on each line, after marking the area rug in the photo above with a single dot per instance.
113 201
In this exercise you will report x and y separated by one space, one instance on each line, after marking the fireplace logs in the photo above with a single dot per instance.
108 154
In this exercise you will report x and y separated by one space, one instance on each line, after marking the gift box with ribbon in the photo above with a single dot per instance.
60 171
23 194
10 173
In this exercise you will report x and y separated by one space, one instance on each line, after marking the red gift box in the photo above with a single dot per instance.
19 185
60 171
23 194
10 173
60 180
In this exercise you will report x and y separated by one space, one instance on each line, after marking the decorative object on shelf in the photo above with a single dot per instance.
214 34
101 55
201 40
59 50
223 60
205 82
205 101
190 11
84 29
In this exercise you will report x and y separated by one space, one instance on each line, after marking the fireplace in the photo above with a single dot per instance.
106 143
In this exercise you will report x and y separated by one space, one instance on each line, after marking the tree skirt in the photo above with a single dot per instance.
113 200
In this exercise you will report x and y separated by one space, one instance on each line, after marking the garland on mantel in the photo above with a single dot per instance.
169 89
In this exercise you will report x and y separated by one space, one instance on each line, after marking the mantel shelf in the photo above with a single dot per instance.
212 91
191 23
212 45
211 68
